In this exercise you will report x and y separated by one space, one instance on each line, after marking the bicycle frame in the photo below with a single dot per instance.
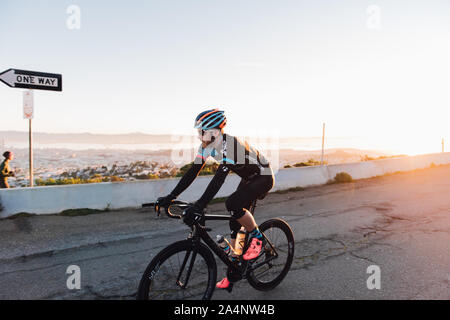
200 232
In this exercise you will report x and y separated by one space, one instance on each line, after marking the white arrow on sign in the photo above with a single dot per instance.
9 77
32 80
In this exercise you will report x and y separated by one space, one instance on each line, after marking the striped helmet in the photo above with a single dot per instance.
210 119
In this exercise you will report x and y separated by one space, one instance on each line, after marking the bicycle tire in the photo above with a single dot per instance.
252 276
146 288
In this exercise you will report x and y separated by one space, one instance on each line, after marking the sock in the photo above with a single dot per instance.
256 234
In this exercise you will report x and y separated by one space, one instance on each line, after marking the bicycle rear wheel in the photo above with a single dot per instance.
183 270
270 268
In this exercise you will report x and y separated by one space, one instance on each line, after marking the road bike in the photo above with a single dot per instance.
187 269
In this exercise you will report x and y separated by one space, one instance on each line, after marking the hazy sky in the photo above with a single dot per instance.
273 66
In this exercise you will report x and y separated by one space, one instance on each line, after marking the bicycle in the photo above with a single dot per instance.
195 272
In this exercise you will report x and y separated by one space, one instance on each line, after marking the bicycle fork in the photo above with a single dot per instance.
184 284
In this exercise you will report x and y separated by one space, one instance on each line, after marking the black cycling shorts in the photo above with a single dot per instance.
246 193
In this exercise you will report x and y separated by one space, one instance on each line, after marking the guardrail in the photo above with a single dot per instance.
117 195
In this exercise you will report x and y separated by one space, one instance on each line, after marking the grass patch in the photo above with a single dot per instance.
21 215
294 189
65 213
210 168
341 177
80 212
67 181
309 163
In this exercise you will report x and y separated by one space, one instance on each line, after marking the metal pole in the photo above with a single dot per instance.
442 144
30 139
323 144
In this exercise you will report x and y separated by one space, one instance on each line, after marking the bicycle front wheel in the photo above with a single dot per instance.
270 268
181 271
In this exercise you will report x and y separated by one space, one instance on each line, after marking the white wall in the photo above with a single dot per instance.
54 199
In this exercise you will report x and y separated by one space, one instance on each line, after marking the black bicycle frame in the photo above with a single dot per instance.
199 231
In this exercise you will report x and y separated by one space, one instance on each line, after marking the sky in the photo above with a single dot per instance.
372 69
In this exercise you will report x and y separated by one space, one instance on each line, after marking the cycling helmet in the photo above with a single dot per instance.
210 119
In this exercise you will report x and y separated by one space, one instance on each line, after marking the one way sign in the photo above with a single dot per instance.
31 80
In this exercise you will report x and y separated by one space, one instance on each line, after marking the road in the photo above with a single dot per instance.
400 223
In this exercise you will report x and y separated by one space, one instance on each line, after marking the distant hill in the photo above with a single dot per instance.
92 138
284 143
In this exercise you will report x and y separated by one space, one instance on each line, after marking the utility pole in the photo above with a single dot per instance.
323 144
443 145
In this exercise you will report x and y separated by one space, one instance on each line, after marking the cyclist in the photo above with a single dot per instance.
232 155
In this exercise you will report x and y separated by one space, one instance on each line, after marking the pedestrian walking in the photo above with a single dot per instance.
5 171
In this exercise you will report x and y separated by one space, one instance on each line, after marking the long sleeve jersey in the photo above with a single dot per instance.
233 155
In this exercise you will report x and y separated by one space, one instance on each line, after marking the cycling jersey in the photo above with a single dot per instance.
233 155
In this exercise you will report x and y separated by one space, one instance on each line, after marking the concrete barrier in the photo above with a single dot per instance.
54 199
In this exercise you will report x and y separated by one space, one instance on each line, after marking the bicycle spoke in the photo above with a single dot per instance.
268 269
182 276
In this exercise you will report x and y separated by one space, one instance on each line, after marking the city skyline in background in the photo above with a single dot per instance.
277 69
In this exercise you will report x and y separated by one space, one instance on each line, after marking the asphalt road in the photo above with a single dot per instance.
400 223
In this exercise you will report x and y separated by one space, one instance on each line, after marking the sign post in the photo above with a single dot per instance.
24 79
30 139
28 113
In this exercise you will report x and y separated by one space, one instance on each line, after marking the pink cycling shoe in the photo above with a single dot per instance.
253 250
223 284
